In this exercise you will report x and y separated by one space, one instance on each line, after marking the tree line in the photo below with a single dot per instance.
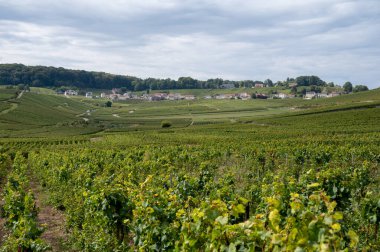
42 76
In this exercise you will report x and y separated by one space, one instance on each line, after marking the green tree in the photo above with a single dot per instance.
108 104
166 124
268 83
347 87
294 90
310 80
123 90
360 88
301 91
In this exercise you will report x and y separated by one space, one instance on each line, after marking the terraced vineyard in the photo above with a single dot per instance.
224 177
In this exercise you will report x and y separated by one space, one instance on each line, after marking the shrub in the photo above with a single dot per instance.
166 124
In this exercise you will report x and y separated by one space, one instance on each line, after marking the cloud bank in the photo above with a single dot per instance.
337 40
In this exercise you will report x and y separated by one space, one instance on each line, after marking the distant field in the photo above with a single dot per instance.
40 112
36 113
6 94
40 90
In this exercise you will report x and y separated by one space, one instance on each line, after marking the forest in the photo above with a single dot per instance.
42 76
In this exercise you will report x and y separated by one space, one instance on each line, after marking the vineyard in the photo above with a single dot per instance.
302 181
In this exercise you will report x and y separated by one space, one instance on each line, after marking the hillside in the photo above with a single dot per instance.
40 113
36 114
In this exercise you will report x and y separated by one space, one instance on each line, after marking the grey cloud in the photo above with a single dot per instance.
238 39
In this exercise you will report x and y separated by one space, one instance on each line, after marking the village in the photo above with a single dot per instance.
117 95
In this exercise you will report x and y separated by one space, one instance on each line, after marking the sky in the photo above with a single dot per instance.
337 40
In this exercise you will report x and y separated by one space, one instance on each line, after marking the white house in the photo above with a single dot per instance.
189 97
71 92
310 95
244 96
334 94
322 95
174 97
158 97
282 96
89 95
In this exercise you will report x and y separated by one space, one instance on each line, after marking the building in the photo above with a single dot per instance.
113 97
310 95
71 92
244 96
89 95
225 96
261 96
334 94
174 97
189 97
282 96
322 95
158 97
259 85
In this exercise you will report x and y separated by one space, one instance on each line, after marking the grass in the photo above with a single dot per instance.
43 115
4 106
6 94
40 90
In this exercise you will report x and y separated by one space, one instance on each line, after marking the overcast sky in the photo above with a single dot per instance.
338 40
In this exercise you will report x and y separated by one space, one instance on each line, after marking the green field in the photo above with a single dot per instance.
35 113
6 94
227 175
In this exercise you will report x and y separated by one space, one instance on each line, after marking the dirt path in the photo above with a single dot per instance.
13 107
50 218
20 94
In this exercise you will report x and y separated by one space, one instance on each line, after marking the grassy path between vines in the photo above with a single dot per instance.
50 218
